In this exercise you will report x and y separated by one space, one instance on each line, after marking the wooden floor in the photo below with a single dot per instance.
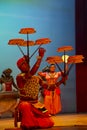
62 122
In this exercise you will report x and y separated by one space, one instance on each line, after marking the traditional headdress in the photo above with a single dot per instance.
21 61
9 71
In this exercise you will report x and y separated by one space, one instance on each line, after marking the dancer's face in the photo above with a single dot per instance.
23 64
52 68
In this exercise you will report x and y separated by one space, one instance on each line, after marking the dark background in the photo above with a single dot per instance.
81 48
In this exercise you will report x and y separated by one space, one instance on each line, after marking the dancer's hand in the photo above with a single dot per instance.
41 52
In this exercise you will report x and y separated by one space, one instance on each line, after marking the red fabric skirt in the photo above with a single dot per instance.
33 117
52 101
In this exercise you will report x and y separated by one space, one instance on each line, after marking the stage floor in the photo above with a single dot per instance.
62 122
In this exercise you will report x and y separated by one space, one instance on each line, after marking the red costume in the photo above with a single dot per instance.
52 94
34 114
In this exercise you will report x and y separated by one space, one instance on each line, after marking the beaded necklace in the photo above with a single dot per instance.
52 75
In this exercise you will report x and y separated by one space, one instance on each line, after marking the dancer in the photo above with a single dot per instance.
34 114
52 98
7 81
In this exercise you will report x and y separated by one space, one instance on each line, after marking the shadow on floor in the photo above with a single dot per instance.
56 128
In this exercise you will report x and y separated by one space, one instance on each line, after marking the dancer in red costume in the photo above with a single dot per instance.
52 94
34 114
